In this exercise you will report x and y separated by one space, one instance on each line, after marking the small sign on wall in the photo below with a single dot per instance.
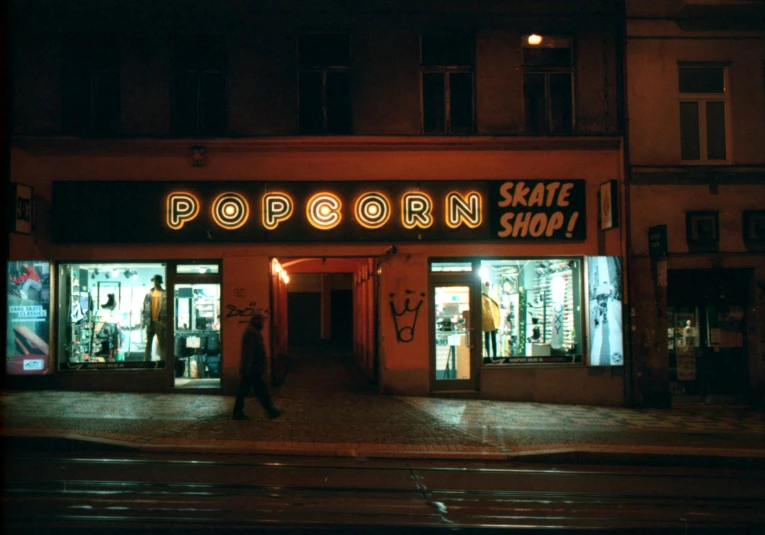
21 197
609 205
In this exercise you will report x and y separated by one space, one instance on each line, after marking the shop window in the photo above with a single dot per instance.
90 88
531 311
197 341
324 84
200 269
199 90
548 85
110 316
451 266
703 103
447 67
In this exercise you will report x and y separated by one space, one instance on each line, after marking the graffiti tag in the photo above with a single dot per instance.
405 319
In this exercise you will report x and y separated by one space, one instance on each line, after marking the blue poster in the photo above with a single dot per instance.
605 299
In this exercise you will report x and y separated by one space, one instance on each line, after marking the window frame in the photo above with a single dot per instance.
91 75
546 72
200 72
323 70
701 99
447 71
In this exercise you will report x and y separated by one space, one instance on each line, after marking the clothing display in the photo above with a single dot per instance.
490 315
531 308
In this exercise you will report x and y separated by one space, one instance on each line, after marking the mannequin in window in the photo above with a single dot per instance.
154 316
490 320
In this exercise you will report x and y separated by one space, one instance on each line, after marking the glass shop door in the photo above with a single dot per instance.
197 326
456 348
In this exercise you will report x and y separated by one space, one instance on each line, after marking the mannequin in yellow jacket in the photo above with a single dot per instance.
490 320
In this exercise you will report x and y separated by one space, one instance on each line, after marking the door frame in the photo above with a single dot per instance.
461 278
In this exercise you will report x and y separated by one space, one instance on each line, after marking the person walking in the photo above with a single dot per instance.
252 367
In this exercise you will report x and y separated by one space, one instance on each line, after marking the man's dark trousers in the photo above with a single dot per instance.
254 381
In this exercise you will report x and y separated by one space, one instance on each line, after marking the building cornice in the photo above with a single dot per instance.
71 146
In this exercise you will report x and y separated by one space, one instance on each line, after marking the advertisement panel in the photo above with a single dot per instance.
605 301
28 329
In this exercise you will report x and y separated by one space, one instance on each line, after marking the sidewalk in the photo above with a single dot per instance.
330 412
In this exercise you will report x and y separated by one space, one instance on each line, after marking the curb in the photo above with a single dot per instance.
593 454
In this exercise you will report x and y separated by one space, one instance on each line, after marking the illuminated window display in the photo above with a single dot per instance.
112 315
606 338
28 330
531 311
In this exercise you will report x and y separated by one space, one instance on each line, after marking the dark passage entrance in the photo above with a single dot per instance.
331 310
342 318
708 356
304 318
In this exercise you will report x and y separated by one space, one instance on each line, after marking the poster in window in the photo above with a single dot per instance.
605 302
28 330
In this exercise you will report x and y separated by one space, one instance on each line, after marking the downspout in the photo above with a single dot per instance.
623 126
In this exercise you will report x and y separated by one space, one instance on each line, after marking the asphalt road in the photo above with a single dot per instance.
118 492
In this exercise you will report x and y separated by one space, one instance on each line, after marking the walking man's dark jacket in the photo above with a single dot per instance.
253 352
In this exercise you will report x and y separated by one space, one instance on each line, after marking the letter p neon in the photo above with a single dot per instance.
182 207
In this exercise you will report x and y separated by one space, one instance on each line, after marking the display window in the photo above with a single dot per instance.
196 341
531 311
29 327
112 315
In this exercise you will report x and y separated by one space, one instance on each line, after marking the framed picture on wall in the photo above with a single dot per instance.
609 205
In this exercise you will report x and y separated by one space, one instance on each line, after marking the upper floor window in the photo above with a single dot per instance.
548 71
90 88
199 88
324 85
447 65
703 99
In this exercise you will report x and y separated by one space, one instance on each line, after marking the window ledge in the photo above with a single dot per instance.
143 146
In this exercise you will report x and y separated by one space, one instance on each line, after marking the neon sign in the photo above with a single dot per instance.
277 207
463 210
372 210
416 210
182 207
324 210
230 211
533 209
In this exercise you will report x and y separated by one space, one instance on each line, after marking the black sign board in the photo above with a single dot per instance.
657 241
338 211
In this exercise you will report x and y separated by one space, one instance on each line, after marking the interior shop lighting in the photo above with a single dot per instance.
534 39
134 275
285 277
484 274
115 273
202 269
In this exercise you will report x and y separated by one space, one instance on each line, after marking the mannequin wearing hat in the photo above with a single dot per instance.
154 316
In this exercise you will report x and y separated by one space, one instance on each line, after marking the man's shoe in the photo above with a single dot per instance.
274 413
240 416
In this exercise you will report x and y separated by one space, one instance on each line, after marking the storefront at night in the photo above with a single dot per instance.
494 270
